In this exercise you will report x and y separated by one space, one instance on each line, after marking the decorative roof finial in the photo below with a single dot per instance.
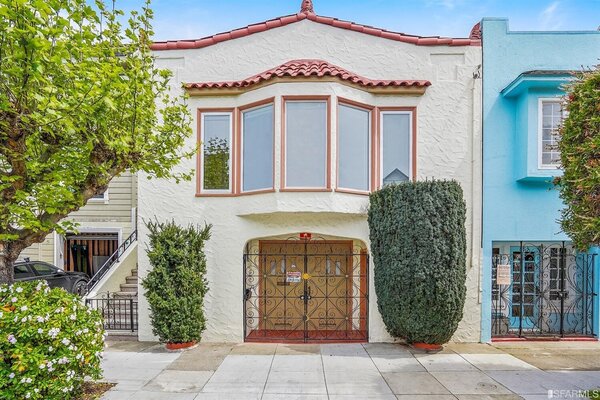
307 7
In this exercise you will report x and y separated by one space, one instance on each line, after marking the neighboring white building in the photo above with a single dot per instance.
300 118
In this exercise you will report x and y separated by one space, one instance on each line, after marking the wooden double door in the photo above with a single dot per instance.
309 291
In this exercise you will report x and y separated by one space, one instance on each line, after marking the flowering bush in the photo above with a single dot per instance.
49 342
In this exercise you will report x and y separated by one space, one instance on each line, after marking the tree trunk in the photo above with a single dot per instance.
7 273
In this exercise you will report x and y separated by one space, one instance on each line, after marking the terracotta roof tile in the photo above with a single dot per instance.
307 12
308 68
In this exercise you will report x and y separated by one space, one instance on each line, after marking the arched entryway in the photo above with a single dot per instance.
306 288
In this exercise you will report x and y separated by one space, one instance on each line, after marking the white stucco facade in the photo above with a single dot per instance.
448 126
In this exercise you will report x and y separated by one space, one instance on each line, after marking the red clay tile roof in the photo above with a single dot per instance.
307 12
305 69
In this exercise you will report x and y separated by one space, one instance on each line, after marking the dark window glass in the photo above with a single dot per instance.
43 269
21 271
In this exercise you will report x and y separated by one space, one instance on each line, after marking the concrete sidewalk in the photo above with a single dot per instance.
144 371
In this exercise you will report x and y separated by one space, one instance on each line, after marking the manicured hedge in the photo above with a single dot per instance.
418 241
176 285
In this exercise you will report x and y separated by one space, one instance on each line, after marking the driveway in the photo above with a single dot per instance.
144 371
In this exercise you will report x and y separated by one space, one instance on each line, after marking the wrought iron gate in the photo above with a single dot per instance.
542 290
305 291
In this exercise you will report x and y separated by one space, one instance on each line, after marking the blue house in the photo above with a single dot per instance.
534 283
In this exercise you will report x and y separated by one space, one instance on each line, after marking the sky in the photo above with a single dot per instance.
192 19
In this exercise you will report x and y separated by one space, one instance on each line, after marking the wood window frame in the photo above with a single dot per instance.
200 191
540 131
239 189
308 98
412 111
372 144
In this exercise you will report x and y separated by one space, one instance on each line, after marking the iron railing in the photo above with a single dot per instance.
112 260
542 290
118 313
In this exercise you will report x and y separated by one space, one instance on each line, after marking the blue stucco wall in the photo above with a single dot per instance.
514 209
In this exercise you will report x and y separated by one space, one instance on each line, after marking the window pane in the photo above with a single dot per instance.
306 144
43 269
353 148
21 271
551 121
396 148
216 151
258 149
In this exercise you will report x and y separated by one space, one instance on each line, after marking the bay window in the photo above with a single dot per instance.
306 144
216 152
257 148
354 137
396 147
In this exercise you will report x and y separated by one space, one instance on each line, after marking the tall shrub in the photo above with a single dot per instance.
418 241
176 285
580 159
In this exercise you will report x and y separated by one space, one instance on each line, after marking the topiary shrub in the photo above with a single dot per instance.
418 241
49 342
176 285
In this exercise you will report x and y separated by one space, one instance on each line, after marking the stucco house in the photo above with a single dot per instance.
299 118
534 282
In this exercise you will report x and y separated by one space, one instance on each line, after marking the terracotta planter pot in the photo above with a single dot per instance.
180 346
428 347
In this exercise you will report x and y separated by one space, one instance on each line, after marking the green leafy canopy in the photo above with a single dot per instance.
81 101
580 158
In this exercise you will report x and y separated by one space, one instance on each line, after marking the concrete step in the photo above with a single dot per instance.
129 287
126 295
131 279
134 272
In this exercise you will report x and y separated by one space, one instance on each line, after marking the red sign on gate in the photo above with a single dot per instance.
305 235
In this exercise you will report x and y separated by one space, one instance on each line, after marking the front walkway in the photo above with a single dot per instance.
145 371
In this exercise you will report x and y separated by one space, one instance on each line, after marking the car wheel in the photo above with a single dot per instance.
80 287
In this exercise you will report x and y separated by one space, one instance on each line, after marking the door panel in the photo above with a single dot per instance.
305 291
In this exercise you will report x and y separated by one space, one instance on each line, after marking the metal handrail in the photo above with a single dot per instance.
112 260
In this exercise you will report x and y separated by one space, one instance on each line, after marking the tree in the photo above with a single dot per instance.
580 158
81 101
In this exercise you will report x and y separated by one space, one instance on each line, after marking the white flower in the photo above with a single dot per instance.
65 341
40 330
86 330
19 289
50 348
53 333
11 375
39 319
39 286
73 317
28 395
24 308
24 319
42 366
12 339
14 300
1 314
63 360
36 390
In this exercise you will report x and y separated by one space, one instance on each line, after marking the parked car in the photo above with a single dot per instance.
73 282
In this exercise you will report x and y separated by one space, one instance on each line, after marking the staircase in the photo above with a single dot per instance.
129 289
119 309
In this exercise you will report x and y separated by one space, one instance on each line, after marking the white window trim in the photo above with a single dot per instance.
369 149
242 149
410 143
229 164
327 149
540 133
103 200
